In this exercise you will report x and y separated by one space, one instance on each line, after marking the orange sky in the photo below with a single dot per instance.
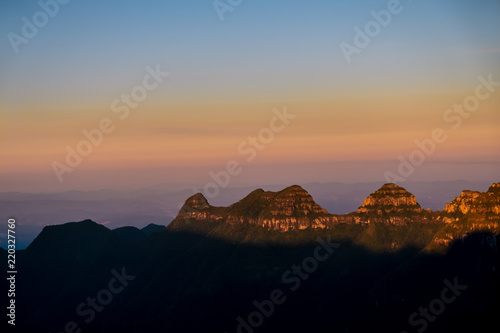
206 137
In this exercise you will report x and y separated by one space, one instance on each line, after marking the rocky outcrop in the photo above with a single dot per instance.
293 201
390 199
293 209
472 211
484 203
394 205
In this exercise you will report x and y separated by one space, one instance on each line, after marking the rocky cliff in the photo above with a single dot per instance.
393 204
473 202
294 208
471 212
390 199
291 208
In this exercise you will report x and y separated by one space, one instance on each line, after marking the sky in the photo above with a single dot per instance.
257 92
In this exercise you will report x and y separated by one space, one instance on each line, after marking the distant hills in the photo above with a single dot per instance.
216 269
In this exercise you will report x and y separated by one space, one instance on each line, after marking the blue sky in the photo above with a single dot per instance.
273 41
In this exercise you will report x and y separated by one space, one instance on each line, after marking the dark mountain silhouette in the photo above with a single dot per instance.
133 233
215 269
152 228
129 233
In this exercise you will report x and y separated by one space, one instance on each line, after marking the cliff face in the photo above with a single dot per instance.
390 199
392 204
472 211
484 203
294 208
291 208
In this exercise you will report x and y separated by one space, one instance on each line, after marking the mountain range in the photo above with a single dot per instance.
294 209
160 204
271 262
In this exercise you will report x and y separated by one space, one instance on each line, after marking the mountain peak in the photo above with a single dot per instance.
390 198
197 201
293 201
290 208
476 202
389 186
393 189
494 188
86 235
295 189
152 228
192 207
293 208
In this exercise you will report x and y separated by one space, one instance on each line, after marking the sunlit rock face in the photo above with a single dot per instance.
394 205
474 202
293 208
390 198
294 201
472 211
289 209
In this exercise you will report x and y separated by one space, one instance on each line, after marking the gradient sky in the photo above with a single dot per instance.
225 78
